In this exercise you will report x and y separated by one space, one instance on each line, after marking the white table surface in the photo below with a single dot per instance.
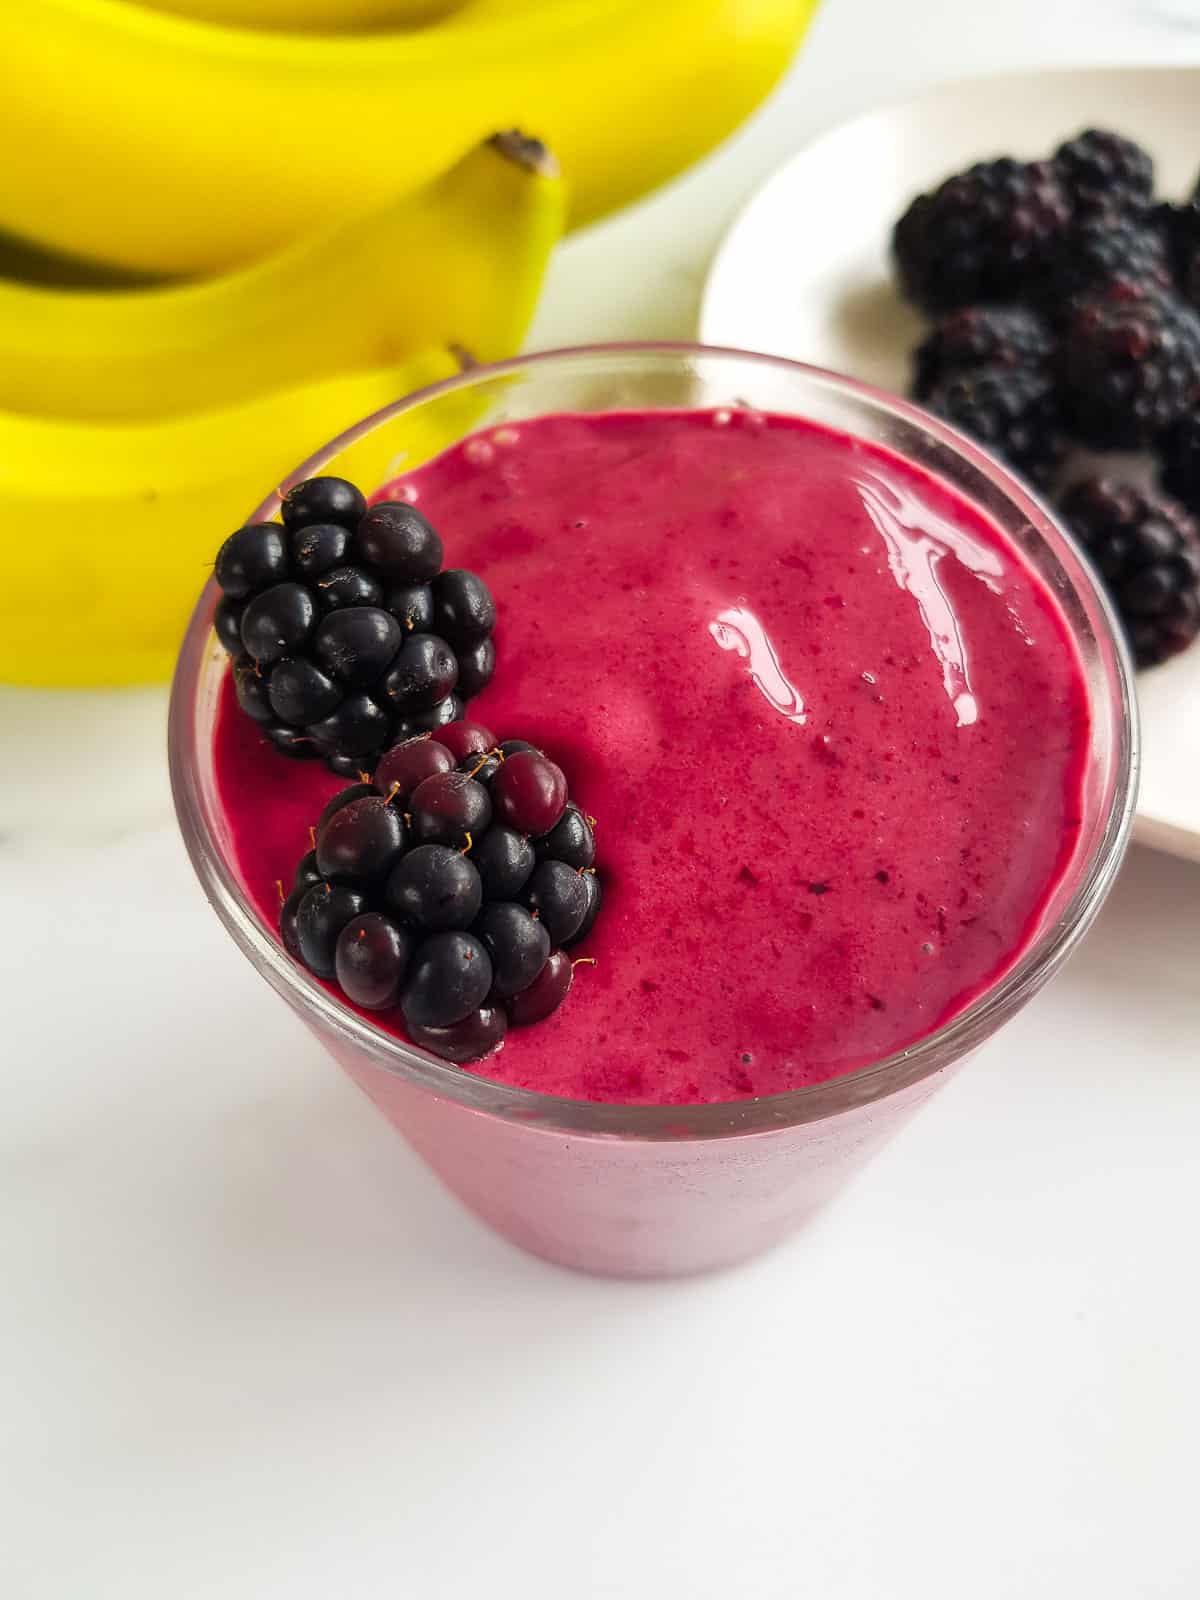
250 1349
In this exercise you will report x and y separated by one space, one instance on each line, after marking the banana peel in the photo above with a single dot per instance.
313 16
176 146
113 528
460 261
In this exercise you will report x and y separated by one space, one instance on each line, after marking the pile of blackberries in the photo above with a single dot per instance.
1068 307
346 633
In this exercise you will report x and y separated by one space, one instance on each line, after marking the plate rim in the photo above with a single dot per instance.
943 88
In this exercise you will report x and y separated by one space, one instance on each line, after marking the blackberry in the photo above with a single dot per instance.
1105 172
1010 411
347 633
980 336
1116 252
1180 456
414 898
1146 548
985 234
1181 227
1128 367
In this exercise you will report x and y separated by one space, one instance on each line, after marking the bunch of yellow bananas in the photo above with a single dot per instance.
188 137
137 426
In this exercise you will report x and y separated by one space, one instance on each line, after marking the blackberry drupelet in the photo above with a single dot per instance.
414 897
325 500
545 994
323 912
450 808
346 632
1181 227
434 888
1117 252
370 959
1010 411
570 840
1146 548
1128 368
464 738
1180 457
989 233
980 336
471 1039
406 765
482 766
448 979
557 894
1105 172
530 792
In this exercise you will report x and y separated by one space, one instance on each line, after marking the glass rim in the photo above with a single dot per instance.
706 1120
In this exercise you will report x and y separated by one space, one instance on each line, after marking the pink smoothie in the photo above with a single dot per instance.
831 725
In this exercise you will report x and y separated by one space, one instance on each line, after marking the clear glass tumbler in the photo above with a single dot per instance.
654 1190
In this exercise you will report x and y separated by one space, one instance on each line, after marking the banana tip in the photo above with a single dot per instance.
529 153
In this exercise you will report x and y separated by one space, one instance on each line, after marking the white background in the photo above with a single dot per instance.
251 1350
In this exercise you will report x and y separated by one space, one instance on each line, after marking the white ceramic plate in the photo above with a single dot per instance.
803 272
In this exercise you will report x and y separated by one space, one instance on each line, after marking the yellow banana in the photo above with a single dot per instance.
172 145
460 261
316 16
33 263
121 521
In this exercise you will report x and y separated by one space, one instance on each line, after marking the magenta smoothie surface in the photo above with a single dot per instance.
831 725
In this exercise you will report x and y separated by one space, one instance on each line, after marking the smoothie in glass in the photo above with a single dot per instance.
831 724
860 742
